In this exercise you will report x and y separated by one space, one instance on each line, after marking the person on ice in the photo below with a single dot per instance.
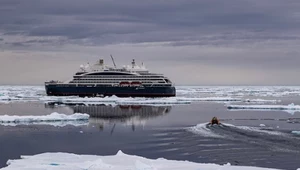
214 120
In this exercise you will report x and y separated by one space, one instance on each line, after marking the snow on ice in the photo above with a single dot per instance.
55 119
120 161
291 108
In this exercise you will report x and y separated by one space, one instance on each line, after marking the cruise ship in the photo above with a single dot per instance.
102 80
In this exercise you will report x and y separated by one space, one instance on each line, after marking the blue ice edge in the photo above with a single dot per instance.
296 132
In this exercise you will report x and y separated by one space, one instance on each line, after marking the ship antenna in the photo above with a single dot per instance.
113 61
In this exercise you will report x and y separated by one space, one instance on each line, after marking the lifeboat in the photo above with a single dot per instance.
124 83
135 83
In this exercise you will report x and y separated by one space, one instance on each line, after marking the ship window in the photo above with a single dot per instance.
109 73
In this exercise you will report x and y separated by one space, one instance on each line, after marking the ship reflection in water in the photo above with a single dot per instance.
131 115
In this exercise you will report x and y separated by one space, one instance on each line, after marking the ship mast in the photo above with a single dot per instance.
113 61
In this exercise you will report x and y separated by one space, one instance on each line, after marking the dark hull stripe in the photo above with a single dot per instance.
116 94
53 90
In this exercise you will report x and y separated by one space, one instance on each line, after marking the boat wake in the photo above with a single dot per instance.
260 136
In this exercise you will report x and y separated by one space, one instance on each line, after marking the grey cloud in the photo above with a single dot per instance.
246 35
16 44
252 60
133 21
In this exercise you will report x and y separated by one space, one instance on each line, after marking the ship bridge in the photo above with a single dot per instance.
101 67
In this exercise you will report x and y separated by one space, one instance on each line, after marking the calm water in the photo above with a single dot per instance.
158 131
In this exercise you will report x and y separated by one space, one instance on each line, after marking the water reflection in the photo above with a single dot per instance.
130 115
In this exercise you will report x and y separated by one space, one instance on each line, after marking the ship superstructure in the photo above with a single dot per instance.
102 80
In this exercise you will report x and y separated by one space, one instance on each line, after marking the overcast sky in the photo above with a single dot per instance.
193 42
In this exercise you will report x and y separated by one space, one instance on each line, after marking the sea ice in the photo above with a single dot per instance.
139 100
260 101
215 99
144 101
184 93
113 100
23 93
120 161
55 119
296 132
262 91
291 108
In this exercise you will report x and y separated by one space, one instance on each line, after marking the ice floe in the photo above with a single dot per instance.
215 99
296 132
260 101
113 100
145 101
54 119
291 108
21 92
261 91
120 161
140 100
